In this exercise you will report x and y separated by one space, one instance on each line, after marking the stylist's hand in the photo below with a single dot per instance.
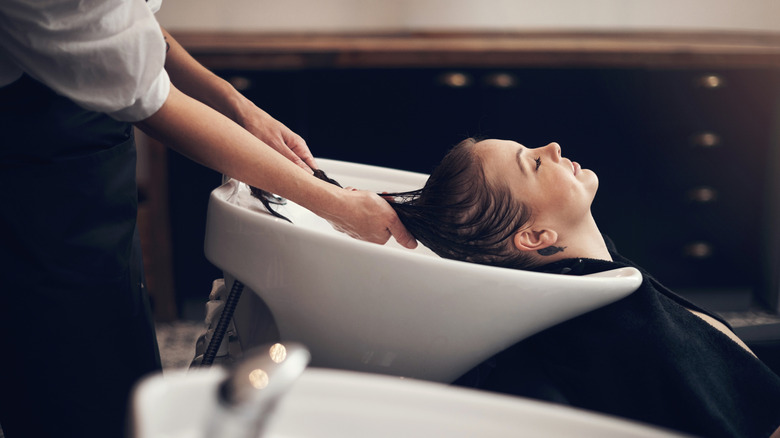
367 216
276 134
197 82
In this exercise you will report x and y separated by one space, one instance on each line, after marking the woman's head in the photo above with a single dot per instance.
557 190
499 203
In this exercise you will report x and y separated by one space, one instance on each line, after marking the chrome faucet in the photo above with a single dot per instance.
253 387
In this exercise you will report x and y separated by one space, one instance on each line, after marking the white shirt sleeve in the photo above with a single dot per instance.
105 55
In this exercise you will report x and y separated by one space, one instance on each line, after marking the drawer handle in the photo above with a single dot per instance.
706 140
703 194
698 250
501 80
711 81
455 79
240 83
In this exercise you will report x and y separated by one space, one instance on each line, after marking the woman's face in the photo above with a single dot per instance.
558 191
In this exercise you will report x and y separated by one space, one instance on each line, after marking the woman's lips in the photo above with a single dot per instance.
575 167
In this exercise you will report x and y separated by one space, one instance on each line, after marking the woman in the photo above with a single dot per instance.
75 75
652 357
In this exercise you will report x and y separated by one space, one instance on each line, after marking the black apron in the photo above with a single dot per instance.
75 327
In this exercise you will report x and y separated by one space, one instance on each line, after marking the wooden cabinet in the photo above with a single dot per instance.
703 139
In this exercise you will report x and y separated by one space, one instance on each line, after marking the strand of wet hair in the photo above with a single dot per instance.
402 203
397 199
265 197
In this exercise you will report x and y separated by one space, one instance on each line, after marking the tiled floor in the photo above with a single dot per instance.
177 343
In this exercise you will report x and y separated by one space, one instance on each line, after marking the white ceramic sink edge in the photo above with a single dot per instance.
332 403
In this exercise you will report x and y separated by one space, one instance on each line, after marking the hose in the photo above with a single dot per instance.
224 320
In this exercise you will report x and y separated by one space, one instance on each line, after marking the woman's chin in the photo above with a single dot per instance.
591 183
589 178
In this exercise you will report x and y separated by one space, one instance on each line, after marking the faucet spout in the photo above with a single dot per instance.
253 388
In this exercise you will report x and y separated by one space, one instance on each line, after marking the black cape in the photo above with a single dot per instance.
644 358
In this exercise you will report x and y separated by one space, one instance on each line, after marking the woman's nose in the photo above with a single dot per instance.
554 149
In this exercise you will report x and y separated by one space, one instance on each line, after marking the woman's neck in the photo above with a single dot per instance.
583 241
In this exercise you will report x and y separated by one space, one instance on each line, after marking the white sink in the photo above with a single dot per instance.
332 403
385 309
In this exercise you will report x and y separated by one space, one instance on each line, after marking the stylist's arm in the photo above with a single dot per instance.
198 82
208 120
212 139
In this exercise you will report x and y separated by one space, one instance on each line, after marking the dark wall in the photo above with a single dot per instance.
680 154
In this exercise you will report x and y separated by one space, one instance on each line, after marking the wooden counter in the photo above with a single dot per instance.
549 49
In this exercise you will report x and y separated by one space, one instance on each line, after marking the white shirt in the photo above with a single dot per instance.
105 55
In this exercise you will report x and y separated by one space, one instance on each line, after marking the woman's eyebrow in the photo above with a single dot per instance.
520 160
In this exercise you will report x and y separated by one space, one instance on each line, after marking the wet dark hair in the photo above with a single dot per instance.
458 214
267 198
461 215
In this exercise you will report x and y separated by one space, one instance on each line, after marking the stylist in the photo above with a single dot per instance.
75 75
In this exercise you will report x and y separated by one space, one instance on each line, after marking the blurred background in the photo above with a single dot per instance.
471 15
674 104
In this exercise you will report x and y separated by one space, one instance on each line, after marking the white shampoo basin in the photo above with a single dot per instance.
333 403
385 309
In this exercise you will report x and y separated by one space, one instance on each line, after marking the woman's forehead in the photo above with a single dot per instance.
495 149
495 144
498 158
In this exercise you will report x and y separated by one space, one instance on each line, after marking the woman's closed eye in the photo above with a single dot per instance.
538 161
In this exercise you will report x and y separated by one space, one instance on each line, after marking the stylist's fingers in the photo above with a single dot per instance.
281 138
398 230
394 226
298 146
402 235
299 153
366 216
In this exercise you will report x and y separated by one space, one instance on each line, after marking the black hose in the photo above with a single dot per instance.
224 320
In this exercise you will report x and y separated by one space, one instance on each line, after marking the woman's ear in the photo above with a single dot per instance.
534 240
